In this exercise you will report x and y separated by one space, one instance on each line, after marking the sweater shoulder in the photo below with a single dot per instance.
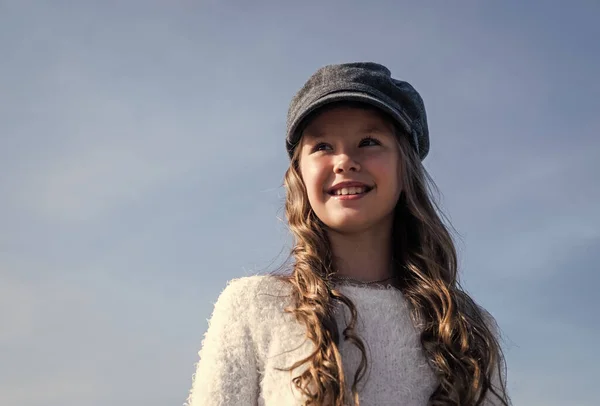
255 295
248 287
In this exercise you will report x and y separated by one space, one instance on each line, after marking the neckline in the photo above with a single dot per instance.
374 286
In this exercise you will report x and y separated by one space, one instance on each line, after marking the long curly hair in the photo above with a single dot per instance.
458 337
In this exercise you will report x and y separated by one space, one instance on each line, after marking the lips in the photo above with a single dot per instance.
349 189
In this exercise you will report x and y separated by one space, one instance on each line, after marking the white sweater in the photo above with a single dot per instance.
250 335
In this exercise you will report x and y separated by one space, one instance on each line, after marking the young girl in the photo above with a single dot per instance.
370 311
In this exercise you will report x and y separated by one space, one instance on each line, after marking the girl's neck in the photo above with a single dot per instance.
366 256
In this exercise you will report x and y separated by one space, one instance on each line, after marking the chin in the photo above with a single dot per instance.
348 225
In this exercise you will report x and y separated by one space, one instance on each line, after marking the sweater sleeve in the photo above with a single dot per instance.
227 372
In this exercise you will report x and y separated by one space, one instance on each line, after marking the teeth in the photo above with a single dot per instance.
350 191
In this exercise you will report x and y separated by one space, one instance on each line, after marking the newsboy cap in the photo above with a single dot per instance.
366 82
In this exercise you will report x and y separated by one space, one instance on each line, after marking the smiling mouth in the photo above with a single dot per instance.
351 191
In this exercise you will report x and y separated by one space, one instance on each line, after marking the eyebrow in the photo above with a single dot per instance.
314 135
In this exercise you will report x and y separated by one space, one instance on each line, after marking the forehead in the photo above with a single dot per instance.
364 119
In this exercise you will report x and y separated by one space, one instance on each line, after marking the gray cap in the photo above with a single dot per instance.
366 82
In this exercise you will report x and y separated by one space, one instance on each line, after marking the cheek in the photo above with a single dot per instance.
387 175
314 177
385 170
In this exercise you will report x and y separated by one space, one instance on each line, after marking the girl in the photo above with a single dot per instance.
370 312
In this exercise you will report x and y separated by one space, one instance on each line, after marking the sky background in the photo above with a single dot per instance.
142 156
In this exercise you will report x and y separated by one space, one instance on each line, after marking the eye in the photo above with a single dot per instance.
322 146
368 142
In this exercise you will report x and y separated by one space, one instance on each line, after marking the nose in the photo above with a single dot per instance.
345 163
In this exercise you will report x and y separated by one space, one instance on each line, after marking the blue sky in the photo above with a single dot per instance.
142 155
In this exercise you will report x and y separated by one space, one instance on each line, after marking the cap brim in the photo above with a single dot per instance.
294 135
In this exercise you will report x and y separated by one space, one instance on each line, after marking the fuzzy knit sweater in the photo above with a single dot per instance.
250 336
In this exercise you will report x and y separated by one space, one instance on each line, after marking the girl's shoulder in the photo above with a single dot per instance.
255 295
250 286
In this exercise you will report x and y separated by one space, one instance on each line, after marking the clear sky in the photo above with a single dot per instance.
142 155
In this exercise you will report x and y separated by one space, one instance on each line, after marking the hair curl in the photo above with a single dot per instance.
458 337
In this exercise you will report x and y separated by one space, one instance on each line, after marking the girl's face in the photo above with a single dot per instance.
350 164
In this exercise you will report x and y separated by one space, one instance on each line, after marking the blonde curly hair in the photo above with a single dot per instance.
457 336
